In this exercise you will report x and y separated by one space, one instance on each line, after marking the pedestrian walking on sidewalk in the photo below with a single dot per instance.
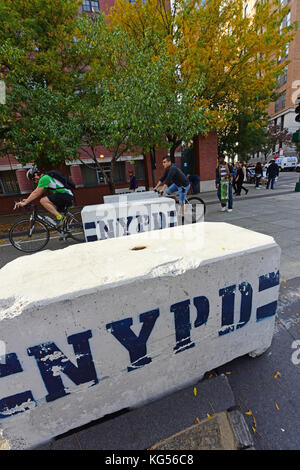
240 177
272 173
258 174
224 174
194 180
234 171
133 185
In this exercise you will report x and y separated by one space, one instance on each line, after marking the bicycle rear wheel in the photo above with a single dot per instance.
197 200
29 235
74 226
198 209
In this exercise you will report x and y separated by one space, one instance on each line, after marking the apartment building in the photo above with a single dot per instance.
282 111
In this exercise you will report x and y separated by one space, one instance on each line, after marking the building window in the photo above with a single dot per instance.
9 183
90 5
93 177
280 102
139 169
282 79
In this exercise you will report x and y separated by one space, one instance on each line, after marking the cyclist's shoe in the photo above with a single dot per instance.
60 222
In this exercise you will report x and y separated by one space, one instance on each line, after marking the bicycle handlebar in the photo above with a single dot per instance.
28 206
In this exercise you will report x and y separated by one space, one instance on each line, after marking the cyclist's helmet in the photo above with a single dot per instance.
30 173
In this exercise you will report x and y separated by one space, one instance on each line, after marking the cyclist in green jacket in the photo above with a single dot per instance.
55 202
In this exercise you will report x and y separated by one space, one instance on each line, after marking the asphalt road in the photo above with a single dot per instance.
9 253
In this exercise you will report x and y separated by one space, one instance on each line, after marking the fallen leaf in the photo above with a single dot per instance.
277 407
195 391
249 413
198 420
208 415
278 374
253 429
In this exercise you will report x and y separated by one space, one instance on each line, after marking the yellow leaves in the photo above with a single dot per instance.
278 374
276 405
250 413
195 391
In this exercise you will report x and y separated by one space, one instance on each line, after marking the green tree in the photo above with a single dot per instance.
41 66
131 104
235 56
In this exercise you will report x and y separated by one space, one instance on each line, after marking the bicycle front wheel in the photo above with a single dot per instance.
29 236
74 226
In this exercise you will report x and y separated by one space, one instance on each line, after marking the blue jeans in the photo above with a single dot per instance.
229 194
181 190
271 180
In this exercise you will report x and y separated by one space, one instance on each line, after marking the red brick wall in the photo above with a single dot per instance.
205 156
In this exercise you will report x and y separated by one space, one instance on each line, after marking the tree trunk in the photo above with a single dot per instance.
111 181
175 144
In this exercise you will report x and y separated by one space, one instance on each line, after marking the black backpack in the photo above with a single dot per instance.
67 182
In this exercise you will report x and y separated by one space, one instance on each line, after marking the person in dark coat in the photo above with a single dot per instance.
240 176
194 180
258 174
133 181
272 173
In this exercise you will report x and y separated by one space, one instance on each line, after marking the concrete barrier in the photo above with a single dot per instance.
98 327
135 196
127 216
140 189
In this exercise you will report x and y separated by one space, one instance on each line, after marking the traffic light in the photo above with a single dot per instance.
297 111
296 137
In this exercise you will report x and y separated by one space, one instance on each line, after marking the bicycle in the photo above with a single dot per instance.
196 205
31 234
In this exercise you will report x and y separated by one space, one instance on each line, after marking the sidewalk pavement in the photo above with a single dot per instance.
209 419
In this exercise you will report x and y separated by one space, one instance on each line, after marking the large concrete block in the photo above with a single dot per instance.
128 216
133 196
103 326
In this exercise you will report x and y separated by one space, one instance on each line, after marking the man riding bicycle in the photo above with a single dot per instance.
173 180
56 202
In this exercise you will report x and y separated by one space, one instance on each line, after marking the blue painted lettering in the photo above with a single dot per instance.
135 345
267 282
50 358
181 312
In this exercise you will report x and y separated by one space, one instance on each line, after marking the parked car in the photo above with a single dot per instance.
250 172
285 163
298 167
